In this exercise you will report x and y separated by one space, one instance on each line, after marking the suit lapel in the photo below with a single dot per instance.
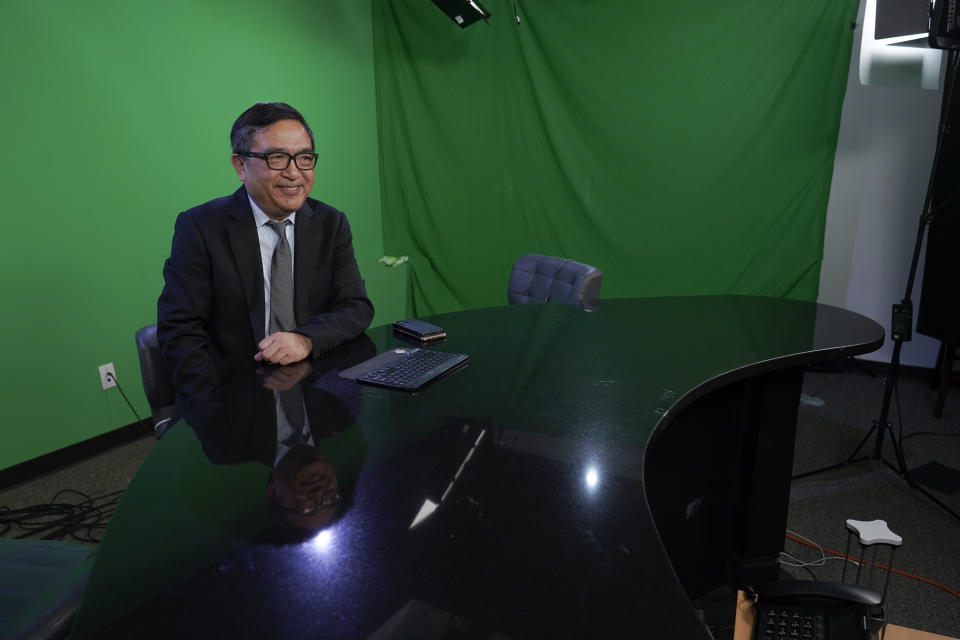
307 235
245 244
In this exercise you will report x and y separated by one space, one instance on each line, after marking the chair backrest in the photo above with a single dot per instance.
157 383
540 278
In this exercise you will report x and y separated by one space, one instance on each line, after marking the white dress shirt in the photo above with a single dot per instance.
268 242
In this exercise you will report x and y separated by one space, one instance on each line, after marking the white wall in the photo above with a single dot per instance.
885 152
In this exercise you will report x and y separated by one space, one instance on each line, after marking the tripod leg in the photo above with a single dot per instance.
852 458
947 350
853 455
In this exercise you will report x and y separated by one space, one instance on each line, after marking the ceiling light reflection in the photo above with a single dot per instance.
323 540
592 478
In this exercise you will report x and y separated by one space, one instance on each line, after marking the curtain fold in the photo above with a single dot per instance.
681 153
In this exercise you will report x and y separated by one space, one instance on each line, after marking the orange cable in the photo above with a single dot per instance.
879 566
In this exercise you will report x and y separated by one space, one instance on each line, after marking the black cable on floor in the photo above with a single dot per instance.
83 521
931 433
916 433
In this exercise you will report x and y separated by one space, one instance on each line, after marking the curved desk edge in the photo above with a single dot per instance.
724 520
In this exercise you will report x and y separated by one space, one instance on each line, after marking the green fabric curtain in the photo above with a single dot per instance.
683 148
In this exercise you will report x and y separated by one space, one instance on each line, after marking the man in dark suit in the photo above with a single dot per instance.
214 314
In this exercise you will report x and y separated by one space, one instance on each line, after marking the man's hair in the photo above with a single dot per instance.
260 116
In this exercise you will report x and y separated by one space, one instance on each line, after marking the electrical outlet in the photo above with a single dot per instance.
108 377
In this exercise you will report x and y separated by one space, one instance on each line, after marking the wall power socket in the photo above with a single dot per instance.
108 377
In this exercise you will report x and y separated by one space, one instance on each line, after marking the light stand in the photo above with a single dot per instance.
902 320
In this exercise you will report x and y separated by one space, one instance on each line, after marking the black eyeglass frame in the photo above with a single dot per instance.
309 506
290 157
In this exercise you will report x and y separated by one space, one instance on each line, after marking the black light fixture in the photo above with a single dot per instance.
463 12
945 25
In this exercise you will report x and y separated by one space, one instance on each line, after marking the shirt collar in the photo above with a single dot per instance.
263 218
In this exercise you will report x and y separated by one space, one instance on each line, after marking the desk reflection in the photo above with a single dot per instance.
221 478
303 493
303 490
576 480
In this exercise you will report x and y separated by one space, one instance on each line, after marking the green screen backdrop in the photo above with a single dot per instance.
681 148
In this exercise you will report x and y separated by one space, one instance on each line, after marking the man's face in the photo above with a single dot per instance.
277 193
304 477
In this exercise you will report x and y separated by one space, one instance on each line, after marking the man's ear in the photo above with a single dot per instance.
238 166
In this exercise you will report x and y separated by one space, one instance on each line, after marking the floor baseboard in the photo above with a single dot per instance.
55 460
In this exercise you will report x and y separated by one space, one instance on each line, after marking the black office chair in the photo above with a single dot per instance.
43 583
539 278
157 383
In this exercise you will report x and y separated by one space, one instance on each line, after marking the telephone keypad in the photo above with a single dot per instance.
784 623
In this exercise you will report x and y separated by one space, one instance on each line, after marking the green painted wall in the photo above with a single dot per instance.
116 117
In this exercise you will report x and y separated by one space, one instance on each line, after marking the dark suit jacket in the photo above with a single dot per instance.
245 430
210 315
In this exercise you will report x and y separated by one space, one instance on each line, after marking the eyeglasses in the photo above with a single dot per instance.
280 160
309 506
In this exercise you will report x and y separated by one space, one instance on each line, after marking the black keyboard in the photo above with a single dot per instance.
413 369
789 623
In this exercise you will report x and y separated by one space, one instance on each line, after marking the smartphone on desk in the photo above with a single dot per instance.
814 610
419 330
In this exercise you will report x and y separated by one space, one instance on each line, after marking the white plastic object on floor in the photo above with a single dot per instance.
874 532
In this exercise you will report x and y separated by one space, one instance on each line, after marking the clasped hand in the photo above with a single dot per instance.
283 378
284 347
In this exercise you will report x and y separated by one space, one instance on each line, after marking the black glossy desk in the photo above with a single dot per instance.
618 464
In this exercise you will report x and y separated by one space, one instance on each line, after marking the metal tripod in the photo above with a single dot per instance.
902 322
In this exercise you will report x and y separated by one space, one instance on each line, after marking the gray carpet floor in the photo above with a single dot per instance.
96 478
837 413
865 490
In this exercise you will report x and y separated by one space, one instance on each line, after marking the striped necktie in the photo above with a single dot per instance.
281 314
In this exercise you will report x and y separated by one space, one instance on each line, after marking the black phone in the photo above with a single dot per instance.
420 330
814 610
